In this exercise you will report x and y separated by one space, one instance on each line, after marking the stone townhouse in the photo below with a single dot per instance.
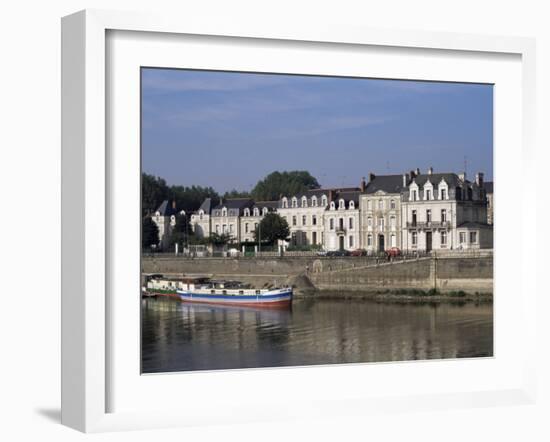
380 207
342 221
226 217
200 221
252 216
165 219
444 211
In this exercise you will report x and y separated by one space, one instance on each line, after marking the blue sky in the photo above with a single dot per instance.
228 130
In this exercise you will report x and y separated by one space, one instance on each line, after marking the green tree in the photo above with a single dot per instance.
219 239
272 228
190 198
283 183
153 192
149 233
236 194
181 232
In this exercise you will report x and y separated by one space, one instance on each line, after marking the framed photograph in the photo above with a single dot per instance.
291 223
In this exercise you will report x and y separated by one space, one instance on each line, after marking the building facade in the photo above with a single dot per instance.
411 211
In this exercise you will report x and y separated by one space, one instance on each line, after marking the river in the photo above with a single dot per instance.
180 337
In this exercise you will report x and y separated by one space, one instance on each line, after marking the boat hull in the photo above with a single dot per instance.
280 299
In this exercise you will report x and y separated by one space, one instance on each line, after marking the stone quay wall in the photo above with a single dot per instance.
448 273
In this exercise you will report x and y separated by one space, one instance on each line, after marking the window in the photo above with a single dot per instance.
294 220
350 223
393 241
381 223
314 220
443 215
304 201
256 212
201 213
324 200
369 240
381 205
255 226
218 229
351 205
264 211
245 227
462 237
428 216
314 201
341 204
443 238
294 202
443 194
224 212
224 228
246 212
392 204
230 228
392 222
351 241
332 205
414 238
304 220
314 238
414 217
413 195
285 203
473 237
369 205
331 224
428 194
369 221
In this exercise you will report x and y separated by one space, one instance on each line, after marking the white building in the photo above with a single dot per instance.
252 216
165 219
440 210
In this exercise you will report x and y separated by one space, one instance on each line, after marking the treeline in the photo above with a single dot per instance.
189 198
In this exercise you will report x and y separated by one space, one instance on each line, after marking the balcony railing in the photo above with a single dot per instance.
429 225
340 230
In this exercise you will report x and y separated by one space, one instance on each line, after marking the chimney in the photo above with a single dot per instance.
330 195
404 180
430 170
479 179
412 174
462 176
417 171
372 176
363 185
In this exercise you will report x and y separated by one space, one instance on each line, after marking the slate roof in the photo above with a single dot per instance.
488 186
474 225
206 205
165 209
386 183
269 204
435 178
234 203
349 195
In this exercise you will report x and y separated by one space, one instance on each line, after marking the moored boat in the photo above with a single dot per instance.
270 298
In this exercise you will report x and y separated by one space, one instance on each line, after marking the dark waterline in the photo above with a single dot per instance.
180 337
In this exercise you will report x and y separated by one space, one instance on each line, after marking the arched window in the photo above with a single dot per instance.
369 240
351 205
324 200
294 202
304 201
247 212
380 204
224 212
332 205
201 213
392 204
264 211
341 204
256 211
285 203
314 201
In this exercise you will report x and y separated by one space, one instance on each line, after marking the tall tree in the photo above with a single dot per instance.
153 192
149 233
189 198
181 232
283 183
272 228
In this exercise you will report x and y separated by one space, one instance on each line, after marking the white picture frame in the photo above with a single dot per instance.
86 170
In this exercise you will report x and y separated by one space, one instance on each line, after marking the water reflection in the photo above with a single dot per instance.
178 336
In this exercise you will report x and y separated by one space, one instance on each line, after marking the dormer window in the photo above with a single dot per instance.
247 212
224 212
304 201
201 213
314 201
351 205
324 200
341 204
264 211
294 202
256 211
285 203
428 194
332 205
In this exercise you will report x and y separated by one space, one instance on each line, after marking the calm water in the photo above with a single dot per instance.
178 336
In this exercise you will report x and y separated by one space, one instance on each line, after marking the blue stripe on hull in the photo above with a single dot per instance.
236 298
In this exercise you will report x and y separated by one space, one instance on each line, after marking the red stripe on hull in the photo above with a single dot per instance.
274 304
